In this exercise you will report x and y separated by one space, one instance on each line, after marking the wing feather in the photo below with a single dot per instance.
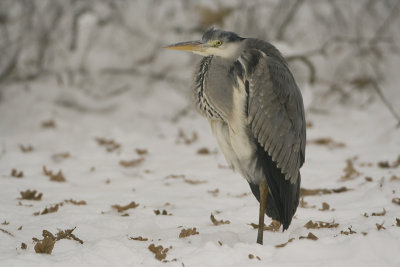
276 112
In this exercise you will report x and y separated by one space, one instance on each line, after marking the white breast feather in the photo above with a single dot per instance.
234 137
240 135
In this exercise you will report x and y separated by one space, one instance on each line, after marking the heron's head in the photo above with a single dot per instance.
214 42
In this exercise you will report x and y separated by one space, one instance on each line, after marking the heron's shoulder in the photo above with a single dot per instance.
253 45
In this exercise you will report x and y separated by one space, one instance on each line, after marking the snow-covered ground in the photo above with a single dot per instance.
189 186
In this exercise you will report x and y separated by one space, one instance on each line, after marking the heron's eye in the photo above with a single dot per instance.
218 43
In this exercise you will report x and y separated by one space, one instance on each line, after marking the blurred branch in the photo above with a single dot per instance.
74 29
306 61
10 66
156 76
386 102
362 82
288 19
386 23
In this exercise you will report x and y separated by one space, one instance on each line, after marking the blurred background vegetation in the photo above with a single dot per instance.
340 51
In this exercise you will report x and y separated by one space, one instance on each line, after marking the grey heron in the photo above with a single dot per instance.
244 87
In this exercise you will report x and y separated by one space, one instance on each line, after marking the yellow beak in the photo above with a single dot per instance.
188 46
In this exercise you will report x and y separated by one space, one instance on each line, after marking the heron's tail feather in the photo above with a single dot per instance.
283 197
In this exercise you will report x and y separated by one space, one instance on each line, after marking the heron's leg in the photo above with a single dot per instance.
263 202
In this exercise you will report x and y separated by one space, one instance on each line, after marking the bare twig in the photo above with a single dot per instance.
288 19
386 102
304 59
386 23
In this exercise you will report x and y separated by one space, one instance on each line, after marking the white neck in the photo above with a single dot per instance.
227 51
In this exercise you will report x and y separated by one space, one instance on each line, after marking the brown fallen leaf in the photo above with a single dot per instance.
194 182
350 172
396 200
175 176
141 152
214 193
188 232
48 124
394 178
30 195
387 165
109 144
325 206
51 209
58 157
318 191
304 204
284 244
255 226
251 257
383 213
75 202
120 208
218 222
380 226
182 137
327 141
341 189
131 163
273 226
47 172
139 238
26 149
45 246
310 236
239 195
163 212
5 223
397 222
17 174
160 253
320 224
23 245
204 151
67 234
59 177
383 164
349 232
368 179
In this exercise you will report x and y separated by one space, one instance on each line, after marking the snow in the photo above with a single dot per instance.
135 120
119 85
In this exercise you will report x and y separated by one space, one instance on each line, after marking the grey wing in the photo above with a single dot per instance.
276 113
